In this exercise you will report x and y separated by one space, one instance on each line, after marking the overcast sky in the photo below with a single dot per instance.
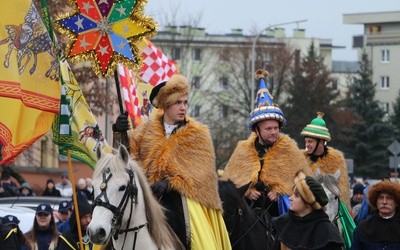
324 18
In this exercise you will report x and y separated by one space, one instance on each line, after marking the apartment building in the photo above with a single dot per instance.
214 62
381 41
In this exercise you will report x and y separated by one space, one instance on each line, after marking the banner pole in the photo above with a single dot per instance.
76 207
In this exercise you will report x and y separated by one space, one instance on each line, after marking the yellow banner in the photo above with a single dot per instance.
29 78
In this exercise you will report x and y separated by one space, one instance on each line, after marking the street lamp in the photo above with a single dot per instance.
253 55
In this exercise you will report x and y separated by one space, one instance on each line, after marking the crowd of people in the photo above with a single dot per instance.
8 188
46 233
177 156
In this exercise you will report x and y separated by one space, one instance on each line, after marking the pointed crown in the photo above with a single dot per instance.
266 109
317 128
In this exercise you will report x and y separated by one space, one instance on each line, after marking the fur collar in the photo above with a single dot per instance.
186 159
281 162
328 164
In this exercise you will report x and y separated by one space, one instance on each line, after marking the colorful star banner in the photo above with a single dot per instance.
106 32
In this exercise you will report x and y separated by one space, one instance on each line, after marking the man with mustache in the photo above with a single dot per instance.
381 230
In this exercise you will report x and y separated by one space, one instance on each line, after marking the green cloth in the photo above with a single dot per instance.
347 224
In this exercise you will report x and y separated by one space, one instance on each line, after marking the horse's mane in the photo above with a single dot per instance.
230 194
159 229
330 182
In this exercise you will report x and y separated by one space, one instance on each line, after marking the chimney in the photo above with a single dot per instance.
237 32
270 33
171 29
186 30
299 33
199 31
280 33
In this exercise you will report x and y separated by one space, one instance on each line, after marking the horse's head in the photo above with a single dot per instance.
114 186
236 209
246 229
330 183
124 205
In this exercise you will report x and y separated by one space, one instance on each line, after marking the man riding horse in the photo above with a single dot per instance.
267 158
327 159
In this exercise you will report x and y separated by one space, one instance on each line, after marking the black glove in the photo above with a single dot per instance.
159 188
122 123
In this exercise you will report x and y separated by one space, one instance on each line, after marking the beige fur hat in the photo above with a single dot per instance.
167 93
310 190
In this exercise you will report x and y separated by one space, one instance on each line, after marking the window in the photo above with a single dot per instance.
223 83
385 56
196 82
385 81
384 106
176 53
335 84
224 111
297 59
197 54
196 111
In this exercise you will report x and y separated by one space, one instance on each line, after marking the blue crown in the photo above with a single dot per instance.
266 109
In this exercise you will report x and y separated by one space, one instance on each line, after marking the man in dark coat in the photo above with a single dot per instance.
7 187
11 236
70 239
381 230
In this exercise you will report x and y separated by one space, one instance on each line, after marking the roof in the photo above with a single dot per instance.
372 17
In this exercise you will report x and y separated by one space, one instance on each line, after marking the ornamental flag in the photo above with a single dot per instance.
106 32
128 89
29 81
156 67
76 127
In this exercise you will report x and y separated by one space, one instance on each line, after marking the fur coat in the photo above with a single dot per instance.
281 163
328 164
186 159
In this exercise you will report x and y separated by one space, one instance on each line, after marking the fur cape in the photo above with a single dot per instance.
282 161
328 164
186 159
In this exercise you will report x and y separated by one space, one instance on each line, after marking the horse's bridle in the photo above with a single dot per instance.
131 192
240 219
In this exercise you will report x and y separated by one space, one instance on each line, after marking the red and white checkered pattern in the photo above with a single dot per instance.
157 67
129 95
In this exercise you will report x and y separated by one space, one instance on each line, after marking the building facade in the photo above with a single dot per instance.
381 42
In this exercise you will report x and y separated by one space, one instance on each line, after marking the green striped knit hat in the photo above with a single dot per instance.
317 128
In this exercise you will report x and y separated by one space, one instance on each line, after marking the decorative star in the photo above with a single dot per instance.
121 10
103 1
103 50
79 23
106 32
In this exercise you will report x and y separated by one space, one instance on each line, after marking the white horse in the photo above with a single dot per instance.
336 210
125 208
330 183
